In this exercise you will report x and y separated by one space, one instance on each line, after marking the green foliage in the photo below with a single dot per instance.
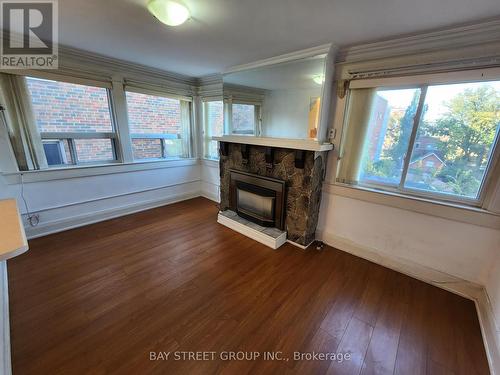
400 146
469 125
382 168
461 181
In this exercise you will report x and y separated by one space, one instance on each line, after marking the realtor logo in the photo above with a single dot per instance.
29 34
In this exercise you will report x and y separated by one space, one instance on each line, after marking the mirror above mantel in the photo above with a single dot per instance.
286 97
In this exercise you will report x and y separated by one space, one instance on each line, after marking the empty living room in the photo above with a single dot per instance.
249 187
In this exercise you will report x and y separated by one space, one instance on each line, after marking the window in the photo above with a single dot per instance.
74 122
213 125
55 151
389 130
244 118
460 124
433 140
159 126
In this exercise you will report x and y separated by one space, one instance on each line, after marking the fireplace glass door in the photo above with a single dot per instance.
259 199
256 203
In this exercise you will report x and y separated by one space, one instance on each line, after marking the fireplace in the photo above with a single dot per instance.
294 178
258 199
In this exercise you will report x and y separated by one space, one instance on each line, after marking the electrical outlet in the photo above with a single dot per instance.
332 133
34 219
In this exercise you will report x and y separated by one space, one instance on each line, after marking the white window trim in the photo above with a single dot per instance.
488 202
146 90
40 74
121 135
437 196
465 76
72 136
62 173
257 117
204 123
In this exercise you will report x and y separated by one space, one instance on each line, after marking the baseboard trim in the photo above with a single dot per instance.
490 330
210 195
303 247
95 217
464 288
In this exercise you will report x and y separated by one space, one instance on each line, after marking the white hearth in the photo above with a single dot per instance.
271 237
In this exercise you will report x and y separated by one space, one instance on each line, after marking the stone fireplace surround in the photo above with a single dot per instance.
302 171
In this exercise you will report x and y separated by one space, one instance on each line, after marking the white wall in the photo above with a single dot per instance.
452 247
493 290
66 203
285 113
210 180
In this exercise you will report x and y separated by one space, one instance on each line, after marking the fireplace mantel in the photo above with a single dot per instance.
290 143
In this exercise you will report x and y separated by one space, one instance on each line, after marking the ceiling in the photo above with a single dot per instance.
223 33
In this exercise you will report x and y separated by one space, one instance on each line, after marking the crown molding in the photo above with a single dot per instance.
309 52
465 47
210 86
449 38
211 79
87 65
71 58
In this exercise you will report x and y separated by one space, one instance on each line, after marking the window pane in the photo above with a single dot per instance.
215 118
243 119
148 114
214 126
388 135
144 148
94 150
57 152
68 107
455 138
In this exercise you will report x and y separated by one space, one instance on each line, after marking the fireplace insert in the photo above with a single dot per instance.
257 198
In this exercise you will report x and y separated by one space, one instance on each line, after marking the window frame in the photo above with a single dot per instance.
72 136
205 133
422 82
124 161
162 137
60 145
228 113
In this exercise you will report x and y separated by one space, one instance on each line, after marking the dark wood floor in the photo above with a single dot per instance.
98 299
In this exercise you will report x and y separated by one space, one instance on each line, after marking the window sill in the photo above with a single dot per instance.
445 210
210 162
94 170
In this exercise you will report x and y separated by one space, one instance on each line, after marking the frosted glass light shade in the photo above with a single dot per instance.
169 12
319 79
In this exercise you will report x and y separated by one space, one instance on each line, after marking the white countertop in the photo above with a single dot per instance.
13 240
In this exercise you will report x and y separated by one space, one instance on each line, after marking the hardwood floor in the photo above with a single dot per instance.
99 299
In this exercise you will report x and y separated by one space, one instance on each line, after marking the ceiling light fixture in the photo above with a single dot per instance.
319 79
169 12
